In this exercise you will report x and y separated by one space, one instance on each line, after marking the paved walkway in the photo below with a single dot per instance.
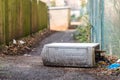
31 67
64 36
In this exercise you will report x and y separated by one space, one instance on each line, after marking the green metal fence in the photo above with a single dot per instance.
20 18
105 20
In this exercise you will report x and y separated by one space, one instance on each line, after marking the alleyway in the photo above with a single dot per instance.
66 36
31 67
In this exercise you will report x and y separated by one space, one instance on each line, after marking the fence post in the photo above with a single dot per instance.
6 23
2 21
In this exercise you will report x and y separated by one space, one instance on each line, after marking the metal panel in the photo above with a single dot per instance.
105 19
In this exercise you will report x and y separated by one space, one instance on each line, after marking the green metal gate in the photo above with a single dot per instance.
105 20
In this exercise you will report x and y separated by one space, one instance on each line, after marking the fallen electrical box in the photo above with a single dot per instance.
69 54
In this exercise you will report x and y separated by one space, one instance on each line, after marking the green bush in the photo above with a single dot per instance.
82 33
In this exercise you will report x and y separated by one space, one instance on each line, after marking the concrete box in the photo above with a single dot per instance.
69 54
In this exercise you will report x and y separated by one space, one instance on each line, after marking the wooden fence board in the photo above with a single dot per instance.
20 18
34 16
44 17
26 11
2 22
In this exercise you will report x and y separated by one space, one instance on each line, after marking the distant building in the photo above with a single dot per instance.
60 2
73 4
76 6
